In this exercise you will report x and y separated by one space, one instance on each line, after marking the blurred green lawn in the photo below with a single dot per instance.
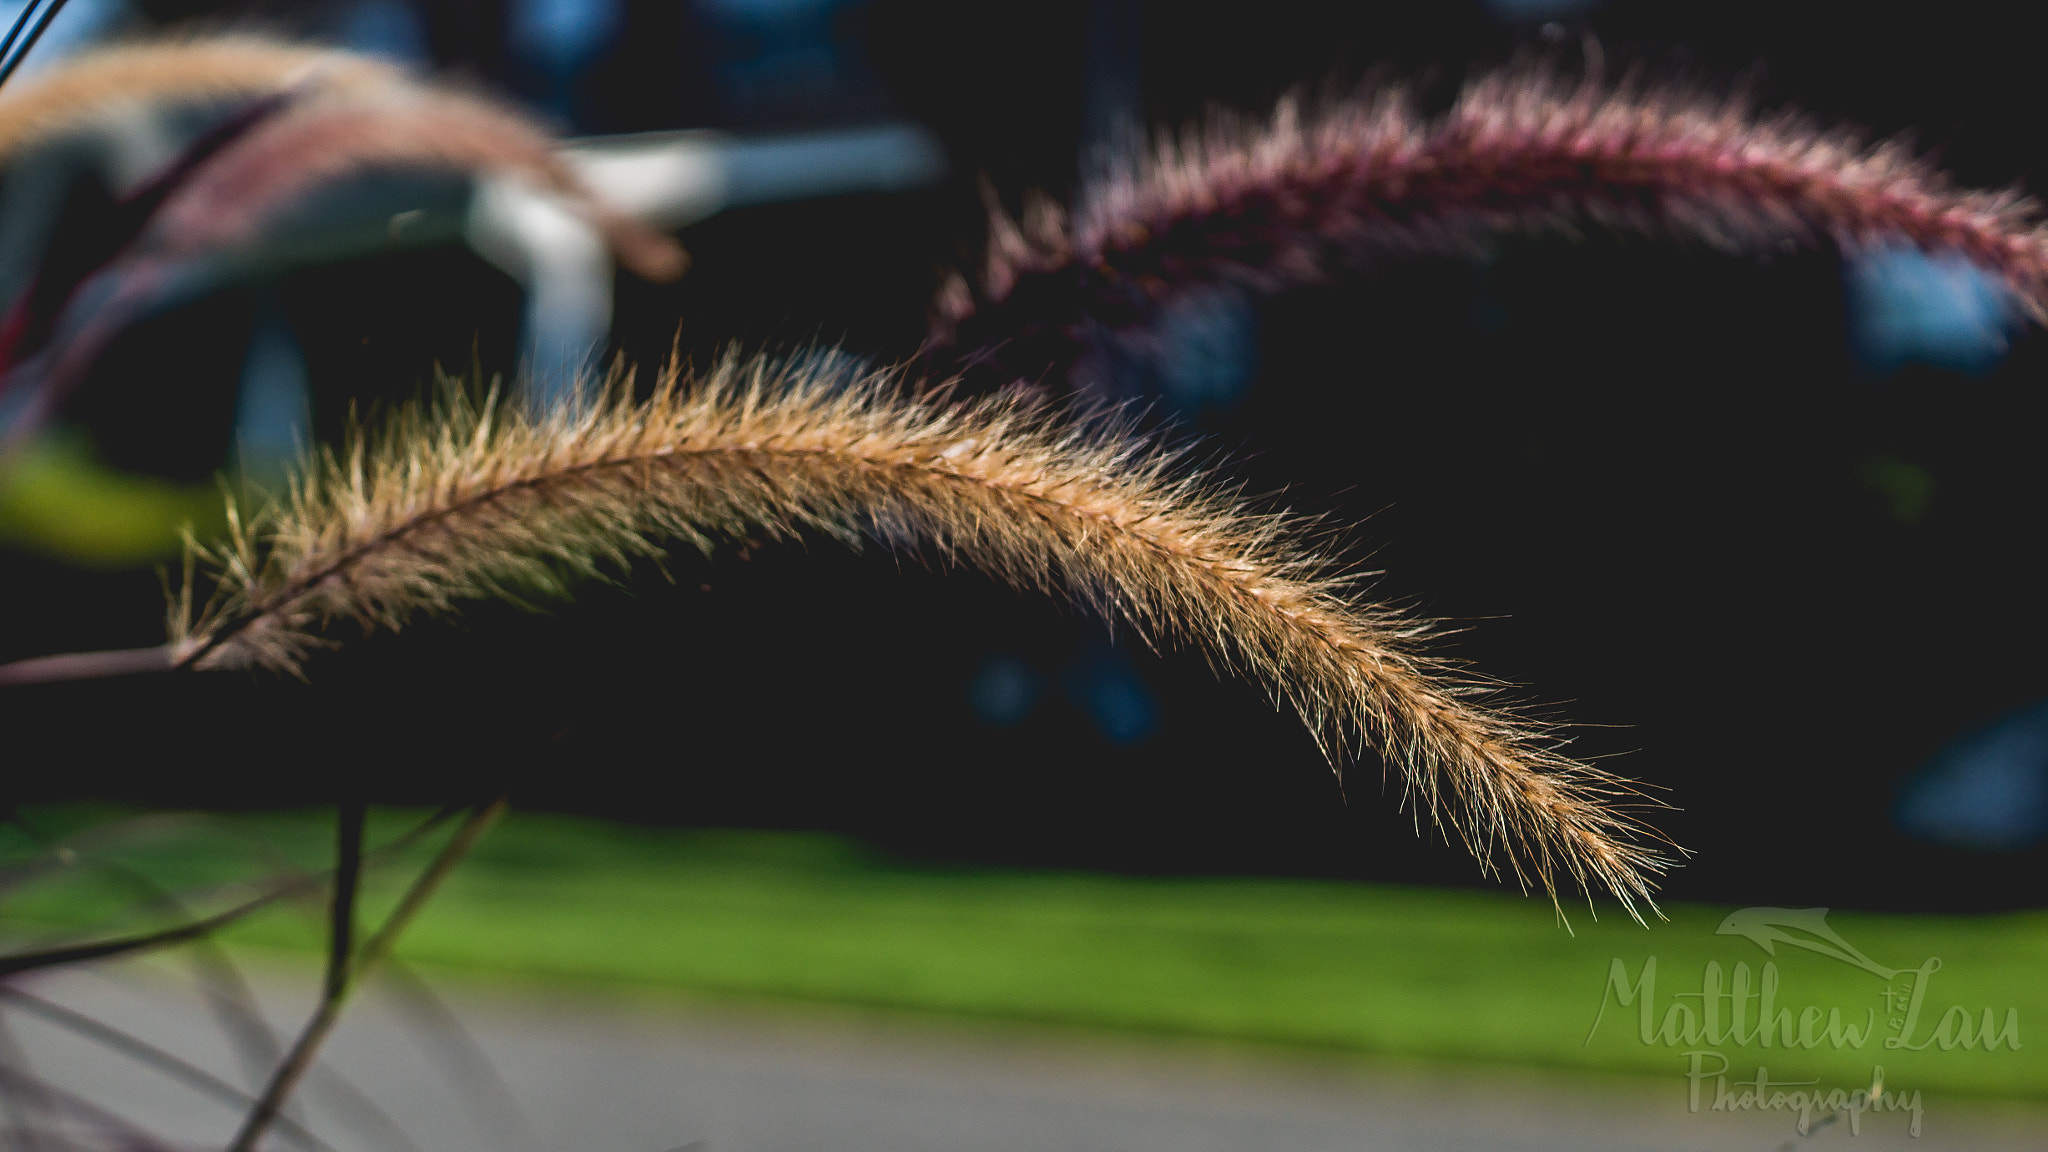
1438 974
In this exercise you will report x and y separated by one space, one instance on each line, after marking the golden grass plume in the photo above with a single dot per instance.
472 499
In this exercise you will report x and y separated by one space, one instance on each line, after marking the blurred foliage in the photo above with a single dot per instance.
58 499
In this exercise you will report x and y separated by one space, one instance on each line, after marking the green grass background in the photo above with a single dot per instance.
1407 972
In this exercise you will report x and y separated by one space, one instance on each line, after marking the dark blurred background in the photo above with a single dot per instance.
1755 528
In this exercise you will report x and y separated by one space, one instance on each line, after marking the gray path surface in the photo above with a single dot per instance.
615 1074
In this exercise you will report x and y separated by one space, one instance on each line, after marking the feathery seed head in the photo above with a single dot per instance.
1285 202
187 70
474 499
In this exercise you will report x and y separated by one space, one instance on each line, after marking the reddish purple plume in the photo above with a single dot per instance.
76 254
1266 207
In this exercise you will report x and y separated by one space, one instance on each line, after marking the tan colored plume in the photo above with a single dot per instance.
100 81
473 500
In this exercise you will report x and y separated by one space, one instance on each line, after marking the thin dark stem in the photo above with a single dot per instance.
356 1108
28 13
31 1098
101 949
27 1103
141 1051
27 45
61 852
220 982
492 1102
55 1101
348 870
300 1059
233 1004
86 665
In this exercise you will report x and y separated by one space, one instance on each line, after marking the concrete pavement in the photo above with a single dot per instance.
590 1072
